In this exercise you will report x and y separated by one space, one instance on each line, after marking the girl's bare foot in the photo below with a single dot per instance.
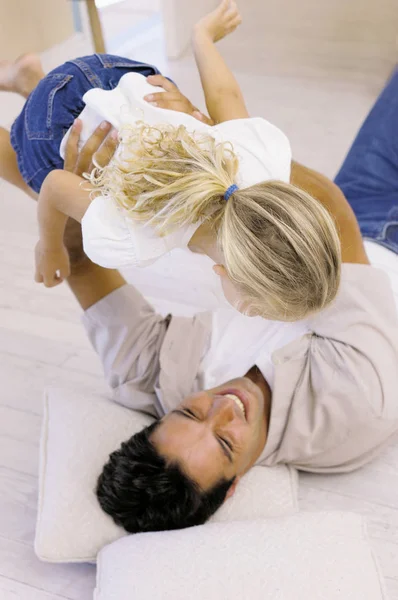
21 76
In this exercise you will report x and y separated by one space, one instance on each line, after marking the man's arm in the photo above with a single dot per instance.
332 198
90 283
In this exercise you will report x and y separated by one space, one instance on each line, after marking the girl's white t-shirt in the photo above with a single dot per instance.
111 238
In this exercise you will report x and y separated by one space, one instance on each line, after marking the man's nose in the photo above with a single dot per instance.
222 410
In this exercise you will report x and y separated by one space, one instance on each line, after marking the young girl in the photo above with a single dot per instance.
177 182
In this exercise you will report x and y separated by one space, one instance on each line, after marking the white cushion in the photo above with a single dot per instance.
79 432
307 556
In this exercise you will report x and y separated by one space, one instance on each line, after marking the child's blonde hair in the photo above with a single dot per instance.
280 245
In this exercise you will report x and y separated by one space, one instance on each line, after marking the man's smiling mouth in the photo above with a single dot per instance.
238 402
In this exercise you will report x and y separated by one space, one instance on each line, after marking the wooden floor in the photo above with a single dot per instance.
43 344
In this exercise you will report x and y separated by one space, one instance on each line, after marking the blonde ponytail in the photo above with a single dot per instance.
282 251
280 245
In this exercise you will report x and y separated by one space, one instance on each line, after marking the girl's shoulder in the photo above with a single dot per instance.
262 148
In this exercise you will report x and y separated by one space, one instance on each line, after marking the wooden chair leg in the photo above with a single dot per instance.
95 25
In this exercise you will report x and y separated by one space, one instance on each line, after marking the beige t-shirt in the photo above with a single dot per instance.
335 389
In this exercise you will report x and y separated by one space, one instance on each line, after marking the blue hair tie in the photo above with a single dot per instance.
232 188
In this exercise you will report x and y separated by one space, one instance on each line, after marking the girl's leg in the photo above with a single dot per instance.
8 165
20 77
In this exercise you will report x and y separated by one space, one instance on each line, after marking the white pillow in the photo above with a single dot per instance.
79 432
309 556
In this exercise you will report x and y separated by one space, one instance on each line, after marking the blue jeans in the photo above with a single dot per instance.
369 175
55 103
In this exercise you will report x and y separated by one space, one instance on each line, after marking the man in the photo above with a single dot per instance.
320 395
334 381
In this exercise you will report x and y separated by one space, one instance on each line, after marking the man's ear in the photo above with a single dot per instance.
232 489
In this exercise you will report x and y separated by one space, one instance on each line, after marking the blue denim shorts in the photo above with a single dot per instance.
369 175
55 103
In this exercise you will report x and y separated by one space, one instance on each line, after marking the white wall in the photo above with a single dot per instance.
323 31
178 17
33 25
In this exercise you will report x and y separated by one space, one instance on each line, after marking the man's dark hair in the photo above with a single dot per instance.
142 492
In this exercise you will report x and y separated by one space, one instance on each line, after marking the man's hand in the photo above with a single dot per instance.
98 150
173 99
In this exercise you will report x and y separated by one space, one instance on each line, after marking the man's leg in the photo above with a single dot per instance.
369 175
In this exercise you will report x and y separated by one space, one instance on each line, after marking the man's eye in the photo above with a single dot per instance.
227 443
190 413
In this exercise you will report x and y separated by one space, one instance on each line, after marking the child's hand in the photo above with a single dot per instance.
173 99
52 265
221 22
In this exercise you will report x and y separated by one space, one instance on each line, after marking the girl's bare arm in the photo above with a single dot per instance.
62 195
224 99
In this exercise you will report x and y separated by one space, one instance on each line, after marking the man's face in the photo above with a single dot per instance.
215 434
